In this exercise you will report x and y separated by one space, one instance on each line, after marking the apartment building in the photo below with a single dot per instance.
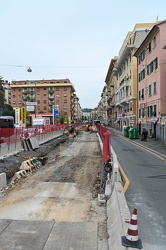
111 83
77 111
6 87
151 59
104 105
40 96
126 73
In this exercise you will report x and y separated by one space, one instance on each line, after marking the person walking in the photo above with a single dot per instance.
144 134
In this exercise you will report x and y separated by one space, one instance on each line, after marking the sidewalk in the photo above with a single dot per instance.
156 146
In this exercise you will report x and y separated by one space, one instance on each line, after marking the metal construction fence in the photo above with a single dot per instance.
17 134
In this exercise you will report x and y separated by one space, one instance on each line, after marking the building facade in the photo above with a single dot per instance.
111 82
126 73
46 94
151 57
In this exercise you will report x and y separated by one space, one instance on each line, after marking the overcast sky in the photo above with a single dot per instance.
74 39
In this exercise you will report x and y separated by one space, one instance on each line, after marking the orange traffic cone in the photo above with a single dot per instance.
131 239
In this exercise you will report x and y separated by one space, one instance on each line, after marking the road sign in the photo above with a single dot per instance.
30 103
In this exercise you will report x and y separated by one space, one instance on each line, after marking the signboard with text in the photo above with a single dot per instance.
56 111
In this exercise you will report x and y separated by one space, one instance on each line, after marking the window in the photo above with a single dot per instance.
155 62
19 90
65 107
45 108
65 101
65 95
65 88
14 102
57 89
154 42
150 90
142 94
149 47
57 101
152 66
44 88
154 88
141 75
44 101
38 95
150 111
38 101
44 95
143 112
141 57
154 110
14 96
139 113
139 95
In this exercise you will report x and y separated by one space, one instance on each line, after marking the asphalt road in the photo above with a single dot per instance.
146 191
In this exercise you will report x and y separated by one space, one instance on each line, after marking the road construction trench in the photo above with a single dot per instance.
64 189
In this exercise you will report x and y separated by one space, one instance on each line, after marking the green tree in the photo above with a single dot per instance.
8 110
2 94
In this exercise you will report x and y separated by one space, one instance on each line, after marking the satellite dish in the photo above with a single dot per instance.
29 69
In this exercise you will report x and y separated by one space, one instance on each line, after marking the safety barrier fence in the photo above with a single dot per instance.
16 134
105 137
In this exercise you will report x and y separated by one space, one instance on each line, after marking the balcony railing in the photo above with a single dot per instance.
51 92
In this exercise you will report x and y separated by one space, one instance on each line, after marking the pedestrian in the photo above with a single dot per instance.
144 134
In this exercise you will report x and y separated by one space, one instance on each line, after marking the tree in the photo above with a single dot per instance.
8 110
2 94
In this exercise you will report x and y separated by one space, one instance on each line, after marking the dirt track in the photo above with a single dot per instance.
64 189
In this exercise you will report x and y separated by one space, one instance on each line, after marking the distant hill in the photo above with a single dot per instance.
87 110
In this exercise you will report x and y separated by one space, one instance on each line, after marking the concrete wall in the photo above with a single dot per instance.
7 149
118 215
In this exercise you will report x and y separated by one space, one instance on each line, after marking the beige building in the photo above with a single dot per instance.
126 73
46 94
111 83
6 86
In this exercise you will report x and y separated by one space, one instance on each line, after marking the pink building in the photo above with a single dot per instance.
151 59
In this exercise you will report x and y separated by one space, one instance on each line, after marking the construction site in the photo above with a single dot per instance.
58 182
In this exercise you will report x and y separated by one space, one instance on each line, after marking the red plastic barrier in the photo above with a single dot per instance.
16 134
106 146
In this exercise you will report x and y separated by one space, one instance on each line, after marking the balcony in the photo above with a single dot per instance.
31 90
51 103
25 91
51 97
51 91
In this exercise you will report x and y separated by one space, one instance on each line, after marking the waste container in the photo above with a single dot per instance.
126 131
133 133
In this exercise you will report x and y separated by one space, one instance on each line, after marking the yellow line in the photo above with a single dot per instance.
127 181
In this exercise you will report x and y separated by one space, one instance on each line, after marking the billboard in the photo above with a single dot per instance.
23 115
17 116
56 111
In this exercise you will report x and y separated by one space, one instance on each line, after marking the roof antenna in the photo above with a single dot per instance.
157 18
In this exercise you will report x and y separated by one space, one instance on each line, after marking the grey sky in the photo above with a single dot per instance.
73 39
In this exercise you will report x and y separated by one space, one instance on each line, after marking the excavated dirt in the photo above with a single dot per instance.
64 189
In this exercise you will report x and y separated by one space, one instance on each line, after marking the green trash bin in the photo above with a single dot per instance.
133 133
126 131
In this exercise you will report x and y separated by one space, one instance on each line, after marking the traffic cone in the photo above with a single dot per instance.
131 239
